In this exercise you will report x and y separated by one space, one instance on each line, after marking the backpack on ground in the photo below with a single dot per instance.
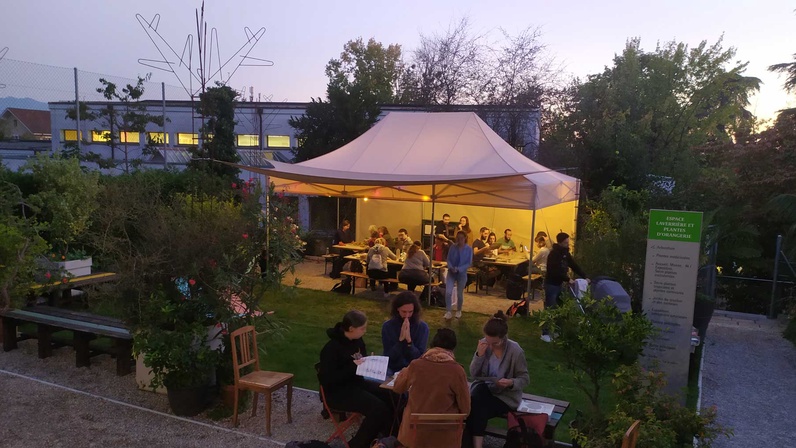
518 308
438 296
356 266
525 430
344 287
515 287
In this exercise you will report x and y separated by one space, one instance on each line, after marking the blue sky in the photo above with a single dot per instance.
301 36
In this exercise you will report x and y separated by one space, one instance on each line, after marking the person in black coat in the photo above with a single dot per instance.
341 236
559 262
347 391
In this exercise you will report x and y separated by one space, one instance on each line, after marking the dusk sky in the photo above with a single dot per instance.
104 36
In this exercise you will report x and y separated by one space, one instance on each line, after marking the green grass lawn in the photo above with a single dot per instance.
308 313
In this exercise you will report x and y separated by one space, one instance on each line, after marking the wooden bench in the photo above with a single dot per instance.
84 326
362 275
65 288
560 407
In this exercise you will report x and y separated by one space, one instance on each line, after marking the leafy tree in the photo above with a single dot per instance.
642 116
217 105
365 76
123 118
789 69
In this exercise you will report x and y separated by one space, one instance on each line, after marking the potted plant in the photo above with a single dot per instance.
596 339
175 346
64 201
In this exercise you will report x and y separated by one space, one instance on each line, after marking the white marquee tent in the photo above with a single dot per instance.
411 162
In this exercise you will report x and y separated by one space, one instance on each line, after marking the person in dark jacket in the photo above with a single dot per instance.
347 391
559 262
341 236
404 336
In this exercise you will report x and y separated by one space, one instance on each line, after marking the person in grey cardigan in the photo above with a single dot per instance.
501 363
377 263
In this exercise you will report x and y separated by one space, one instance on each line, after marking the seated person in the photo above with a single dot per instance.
377 263
415 269
507 246
440 250
540 259
480 247
402 242
404 336
491 241
372 240
497 356
384 233
438 386
347 391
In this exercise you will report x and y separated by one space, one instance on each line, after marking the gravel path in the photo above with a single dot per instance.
749 373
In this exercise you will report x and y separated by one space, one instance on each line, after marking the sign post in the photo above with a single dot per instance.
670 280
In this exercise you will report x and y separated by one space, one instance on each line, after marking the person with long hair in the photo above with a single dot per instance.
464 226
347 391
502 363
415 269
405 335
460 258
377 263
439 386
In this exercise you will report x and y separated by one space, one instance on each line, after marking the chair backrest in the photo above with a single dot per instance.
631 436
244 350
437 420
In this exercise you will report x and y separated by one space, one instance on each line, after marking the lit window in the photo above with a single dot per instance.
69 135
248 140
100 136
279 141
157 137
130 137
187 139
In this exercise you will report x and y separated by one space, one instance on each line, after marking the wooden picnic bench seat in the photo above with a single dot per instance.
560 407
65 287
84 326
365 276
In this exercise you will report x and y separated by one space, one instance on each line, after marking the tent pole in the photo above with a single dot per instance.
530 254
431 238
338 223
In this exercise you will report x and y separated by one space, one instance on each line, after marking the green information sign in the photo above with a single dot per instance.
675 226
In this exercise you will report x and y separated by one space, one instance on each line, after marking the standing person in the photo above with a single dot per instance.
460 258
439 386
464 226
402 242
405 335
443 228
377 263
559 262
415 269
507 246
341 236
347 391
502 361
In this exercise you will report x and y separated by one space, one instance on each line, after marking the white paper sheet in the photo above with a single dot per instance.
374 367
535 407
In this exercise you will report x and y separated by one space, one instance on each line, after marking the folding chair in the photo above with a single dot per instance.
631 436
338 418
438 422
244 353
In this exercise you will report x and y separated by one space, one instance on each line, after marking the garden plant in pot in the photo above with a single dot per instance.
176 347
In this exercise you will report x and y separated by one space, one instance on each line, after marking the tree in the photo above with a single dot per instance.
123 121
641 117
789 69
364 77
217 105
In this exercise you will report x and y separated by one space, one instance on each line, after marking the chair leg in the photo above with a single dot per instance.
254 403
267 413
235 408
289 401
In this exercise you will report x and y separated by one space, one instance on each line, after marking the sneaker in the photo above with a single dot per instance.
459 314
447 315
546 338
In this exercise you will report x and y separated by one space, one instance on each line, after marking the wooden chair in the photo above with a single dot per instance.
338 418
438 421
244 353
631 436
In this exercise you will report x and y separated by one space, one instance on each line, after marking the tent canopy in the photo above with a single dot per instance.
449 157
